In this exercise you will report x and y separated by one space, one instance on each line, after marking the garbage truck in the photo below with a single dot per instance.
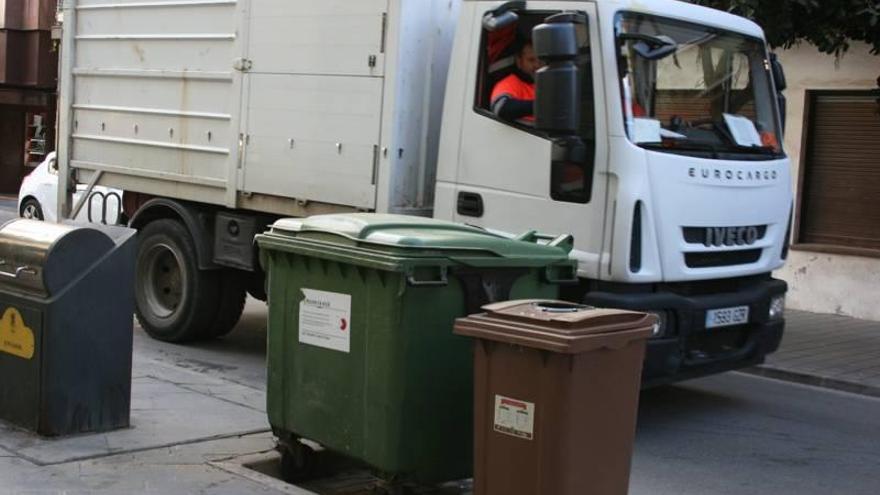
656 140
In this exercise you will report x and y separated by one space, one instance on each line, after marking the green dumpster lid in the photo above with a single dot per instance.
417 236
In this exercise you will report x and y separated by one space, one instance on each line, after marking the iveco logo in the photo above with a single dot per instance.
731 236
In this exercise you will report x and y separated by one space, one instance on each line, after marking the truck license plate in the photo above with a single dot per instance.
727 317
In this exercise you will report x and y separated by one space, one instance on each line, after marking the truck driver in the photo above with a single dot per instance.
513 98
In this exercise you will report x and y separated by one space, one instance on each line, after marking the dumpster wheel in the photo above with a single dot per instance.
174 300
297 460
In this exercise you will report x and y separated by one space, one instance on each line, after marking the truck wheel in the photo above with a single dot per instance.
232 299
256 284
174 300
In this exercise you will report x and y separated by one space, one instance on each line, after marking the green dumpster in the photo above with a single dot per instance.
361 354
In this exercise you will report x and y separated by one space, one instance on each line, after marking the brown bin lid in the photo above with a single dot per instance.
557 326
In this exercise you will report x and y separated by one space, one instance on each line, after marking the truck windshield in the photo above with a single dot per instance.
696 90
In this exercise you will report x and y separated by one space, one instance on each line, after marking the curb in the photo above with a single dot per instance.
814 380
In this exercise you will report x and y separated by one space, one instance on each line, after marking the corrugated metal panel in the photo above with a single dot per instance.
155 94
243 102
314 99
842 170
314 137
318 37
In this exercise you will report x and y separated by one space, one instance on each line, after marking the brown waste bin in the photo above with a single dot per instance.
556 390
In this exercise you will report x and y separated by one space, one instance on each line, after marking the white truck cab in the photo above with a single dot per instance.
670 177
655 141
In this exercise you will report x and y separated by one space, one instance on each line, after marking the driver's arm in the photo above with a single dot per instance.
509 108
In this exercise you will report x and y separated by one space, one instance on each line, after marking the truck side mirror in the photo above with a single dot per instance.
558 92
503 16
557 85
778 73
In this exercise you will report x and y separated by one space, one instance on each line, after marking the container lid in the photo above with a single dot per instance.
407 236
557 326
42 258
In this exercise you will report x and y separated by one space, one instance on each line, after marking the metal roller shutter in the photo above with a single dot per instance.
840 195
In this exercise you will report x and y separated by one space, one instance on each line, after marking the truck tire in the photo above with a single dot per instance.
231 305
256 285
174 300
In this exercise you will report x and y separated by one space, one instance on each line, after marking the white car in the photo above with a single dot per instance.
38 197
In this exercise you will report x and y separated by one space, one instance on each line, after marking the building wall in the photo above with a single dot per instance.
820 282
28 81
11 148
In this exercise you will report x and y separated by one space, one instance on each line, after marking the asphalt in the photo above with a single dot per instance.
739 434
8 204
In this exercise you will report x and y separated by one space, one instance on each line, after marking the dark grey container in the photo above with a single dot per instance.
66 305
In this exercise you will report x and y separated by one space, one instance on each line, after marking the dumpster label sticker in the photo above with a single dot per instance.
514 417
15 337
325 320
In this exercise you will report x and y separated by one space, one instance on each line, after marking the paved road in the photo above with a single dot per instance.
739 434
239 357
8 203
733 434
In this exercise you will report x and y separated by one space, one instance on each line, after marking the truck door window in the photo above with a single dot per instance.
498 66
506 65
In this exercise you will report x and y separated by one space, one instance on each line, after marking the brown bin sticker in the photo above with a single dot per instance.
514 417
15 337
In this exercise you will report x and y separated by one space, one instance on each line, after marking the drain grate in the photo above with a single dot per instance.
265 468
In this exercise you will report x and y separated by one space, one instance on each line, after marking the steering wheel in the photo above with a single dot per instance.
676 122
702 122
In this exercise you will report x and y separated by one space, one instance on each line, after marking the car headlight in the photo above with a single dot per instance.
777 308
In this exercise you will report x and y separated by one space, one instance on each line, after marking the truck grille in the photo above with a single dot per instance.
722 258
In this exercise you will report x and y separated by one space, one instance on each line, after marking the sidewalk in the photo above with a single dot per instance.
828 351
181 421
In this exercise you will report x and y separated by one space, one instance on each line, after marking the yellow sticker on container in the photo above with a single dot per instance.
15 337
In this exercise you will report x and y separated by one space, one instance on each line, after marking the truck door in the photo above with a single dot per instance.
504 178
313 99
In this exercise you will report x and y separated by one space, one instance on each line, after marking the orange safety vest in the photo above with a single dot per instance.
514 87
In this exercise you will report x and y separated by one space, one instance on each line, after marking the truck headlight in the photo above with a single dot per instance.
777 308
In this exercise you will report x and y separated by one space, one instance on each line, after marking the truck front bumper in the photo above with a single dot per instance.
686 348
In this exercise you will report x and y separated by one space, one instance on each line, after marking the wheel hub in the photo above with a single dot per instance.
29 211
163 280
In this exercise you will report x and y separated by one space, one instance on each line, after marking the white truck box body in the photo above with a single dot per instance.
269 105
